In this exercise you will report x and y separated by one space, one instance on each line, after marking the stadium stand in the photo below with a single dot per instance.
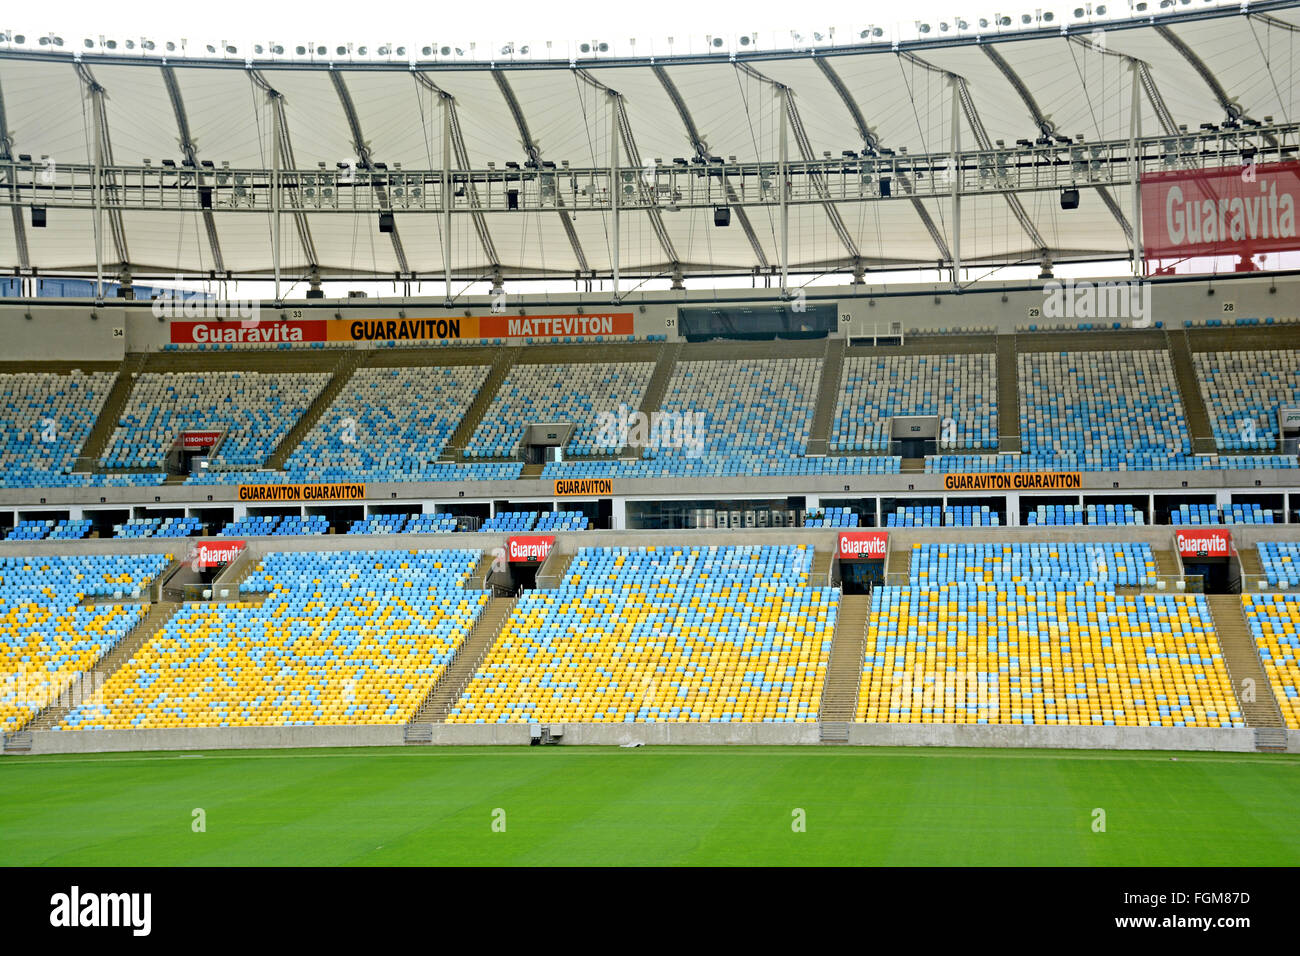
575 392
915 516
1124 564
47 638
45 418
346 637
158 528
254 410
1274 623
1042 653
873 389
830 518
717 634
1281 563
275 525
1243 391
1101 410
387 424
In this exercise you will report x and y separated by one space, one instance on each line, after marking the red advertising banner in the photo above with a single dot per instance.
530 547
863 545
212 554
192 441
1227 211
432 329
1203 542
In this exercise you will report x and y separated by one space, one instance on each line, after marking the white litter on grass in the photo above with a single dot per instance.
636 744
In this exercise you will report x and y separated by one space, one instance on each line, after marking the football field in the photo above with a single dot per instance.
650 806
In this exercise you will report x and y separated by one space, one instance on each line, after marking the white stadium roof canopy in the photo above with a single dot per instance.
235 145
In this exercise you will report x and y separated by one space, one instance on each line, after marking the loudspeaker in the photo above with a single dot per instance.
1069 199
884 186
722 216
512 198
38 217
205 197
386 223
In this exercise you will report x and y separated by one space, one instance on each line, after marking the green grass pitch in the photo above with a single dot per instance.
653 806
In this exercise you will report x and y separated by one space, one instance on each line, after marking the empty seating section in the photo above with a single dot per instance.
830 518
405 524
47 637
37 529
510 521
915 516
970 516
30 529
755 416
1243 392
275 525
45 419
575 392
1126 564
345 637
158 528
1107 514
716 634
562 521
1281 563
1042 653
1274 622
440 471
387 423
959 389
933 516
1196 514
1100 411
1247 514
70 529
253 410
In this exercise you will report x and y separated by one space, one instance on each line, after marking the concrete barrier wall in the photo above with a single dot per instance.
1241 740
666 734
213 738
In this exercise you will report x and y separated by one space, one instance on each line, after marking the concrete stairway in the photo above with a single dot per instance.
828 393
1243 663
1008 395
839 701
444 694
1250 565
84 687
109 414
551 574
821 567
653 396
348 362
1189 392
477 580
501 365
1167 563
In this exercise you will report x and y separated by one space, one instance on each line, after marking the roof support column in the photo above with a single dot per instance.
97 108
446 195
613 184
956 184
783 93
1135 131
275 200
